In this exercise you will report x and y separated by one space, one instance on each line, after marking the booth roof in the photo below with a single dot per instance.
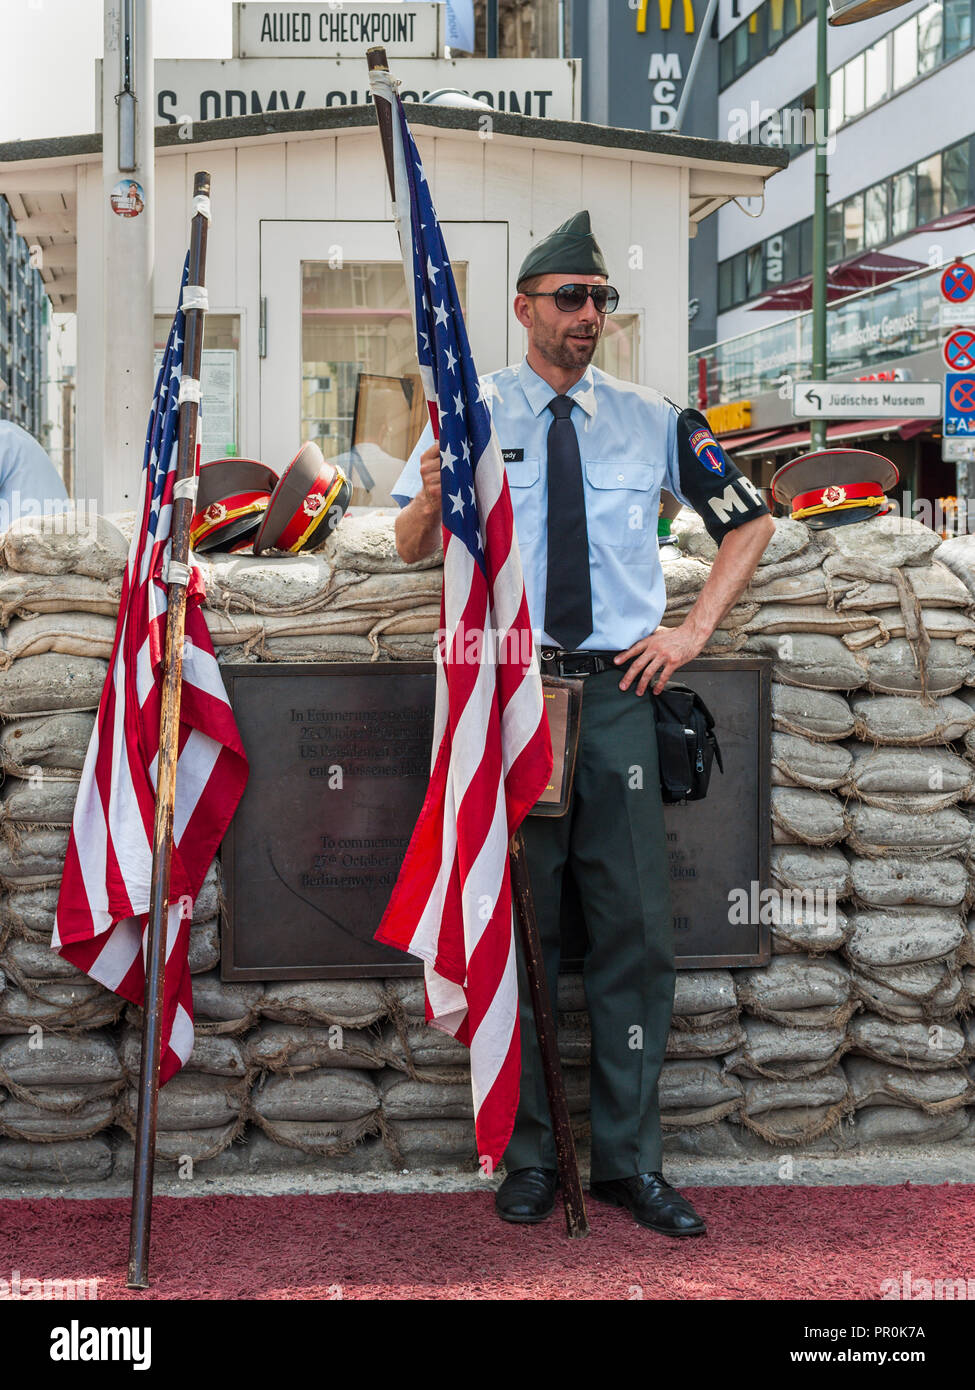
38 178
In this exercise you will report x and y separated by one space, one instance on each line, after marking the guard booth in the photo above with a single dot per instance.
308 334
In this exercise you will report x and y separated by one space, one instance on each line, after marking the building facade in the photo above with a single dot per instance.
901 205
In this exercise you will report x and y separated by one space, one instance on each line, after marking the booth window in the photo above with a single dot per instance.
618 350
220 382
361 397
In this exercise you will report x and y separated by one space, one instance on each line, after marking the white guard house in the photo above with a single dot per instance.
309 334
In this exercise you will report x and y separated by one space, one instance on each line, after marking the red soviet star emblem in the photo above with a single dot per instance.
215 512
312 505
833 496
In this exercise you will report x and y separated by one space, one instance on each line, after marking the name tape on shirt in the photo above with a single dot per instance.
513 455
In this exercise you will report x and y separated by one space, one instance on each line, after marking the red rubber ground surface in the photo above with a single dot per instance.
763 1243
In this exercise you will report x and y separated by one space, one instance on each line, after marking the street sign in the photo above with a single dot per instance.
954 315
958 350
849 400
958 283
959 415
958 450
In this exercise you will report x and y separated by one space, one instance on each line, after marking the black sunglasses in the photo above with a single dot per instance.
570 298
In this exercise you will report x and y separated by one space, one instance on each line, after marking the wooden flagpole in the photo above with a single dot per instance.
162 838
576 1221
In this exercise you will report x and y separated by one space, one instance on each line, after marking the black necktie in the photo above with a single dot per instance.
568 594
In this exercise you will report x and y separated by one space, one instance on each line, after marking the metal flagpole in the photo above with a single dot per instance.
575 1209
817 435
702 39
162 838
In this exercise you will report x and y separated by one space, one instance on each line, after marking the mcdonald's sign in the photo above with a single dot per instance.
666 8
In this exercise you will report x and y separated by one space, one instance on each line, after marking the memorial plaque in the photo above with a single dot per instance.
719 847
339 764
340 757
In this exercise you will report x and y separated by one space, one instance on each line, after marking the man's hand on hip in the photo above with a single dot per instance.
657 657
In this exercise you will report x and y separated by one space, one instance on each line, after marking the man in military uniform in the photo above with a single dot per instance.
586 456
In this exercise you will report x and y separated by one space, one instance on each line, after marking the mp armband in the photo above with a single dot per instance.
739 501
721 495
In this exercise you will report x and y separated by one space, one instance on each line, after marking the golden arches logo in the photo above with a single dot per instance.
666 8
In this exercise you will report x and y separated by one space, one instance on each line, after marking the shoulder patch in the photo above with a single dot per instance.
708 450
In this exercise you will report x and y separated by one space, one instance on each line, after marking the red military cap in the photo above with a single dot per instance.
309 501
835 487
231 500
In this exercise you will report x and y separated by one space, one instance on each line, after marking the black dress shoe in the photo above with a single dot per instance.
527 1195
652 1202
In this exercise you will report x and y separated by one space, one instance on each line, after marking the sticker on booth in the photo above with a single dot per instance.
127 198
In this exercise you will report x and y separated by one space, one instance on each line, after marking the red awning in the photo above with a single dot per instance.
799 437
862 272
961 218
738 440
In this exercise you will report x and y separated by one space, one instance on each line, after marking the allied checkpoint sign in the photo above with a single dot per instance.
339 764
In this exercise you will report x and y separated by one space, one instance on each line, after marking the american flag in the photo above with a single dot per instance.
492 754
104 901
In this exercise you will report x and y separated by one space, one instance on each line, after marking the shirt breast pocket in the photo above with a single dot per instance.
526 497
622 502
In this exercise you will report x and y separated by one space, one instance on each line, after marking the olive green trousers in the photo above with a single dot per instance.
613 839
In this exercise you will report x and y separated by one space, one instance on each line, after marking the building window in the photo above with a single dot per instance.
905 53
958 26
929 189
618 350
219 413
877 80
903 214
754 272
794 16
955 177
791 254
836 100
875 226
741 49
929 34
725 293
759 34
853 100
738 295
834 233
356 322
853 226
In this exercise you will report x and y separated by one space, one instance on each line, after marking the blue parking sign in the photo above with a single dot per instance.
959 405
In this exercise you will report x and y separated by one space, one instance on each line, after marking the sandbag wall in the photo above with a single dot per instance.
854 1035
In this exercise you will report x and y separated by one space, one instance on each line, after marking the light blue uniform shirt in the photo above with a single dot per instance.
29 482
628 446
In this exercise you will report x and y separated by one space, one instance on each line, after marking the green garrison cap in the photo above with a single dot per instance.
570 250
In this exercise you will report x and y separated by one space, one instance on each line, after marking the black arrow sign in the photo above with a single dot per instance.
811 396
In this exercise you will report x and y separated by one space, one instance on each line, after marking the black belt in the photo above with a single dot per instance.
554 662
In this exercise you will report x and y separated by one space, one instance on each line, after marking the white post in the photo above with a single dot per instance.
128 105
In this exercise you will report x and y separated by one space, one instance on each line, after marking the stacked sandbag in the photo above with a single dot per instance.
862 1011
870 632
352 600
